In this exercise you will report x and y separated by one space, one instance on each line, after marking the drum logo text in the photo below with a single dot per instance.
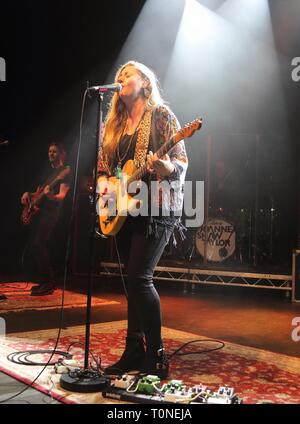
220 236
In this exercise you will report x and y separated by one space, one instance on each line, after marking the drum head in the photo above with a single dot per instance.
220 240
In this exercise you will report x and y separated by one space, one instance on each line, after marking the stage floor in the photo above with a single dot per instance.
256 318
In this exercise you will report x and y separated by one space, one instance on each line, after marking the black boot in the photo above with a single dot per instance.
131 359
156 363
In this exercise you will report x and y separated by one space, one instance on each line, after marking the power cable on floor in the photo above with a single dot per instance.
197 352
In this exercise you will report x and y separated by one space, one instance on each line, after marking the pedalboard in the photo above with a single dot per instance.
148 389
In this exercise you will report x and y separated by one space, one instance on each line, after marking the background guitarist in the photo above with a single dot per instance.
137 124
43 222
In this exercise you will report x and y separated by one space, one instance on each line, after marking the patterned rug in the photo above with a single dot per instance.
257 375
19 299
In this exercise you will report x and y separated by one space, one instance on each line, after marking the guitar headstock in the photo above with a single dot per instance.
188 130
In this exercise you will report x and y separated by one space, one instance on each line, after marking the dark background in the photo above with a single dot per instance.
51 49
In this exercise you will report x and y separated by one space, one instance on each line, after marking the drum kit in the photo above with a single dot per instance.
241 235
242 218
233 236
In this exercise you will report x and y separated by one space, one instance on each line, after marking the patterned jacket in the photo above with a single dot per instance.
164 126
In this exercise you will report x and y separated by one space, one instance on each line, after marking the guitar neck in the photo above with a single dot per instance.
187 131
140 172
39 197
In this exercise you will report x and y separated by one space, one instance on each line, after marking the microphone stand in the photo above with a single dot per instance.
88 380
3 142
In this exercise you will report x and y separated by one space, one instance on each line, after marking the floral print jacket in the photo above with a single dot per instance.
165 196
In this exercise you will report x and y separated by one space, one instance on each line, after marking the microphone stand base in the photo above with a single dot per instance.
84 381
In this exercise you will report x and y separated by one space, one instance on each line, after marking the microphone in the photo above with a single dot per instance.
104 88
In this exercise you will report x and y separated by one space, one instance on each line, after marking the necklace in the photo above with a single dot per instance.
119 157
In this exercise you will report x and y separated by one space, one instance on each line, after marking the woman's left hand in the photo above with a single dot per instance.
163 166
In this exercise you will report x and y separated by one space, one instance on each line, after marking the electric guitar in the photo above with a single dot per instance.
32 208
111 224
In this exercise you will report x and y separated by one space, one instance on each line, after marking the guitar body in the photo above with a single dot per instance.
32 208
111 221
35 198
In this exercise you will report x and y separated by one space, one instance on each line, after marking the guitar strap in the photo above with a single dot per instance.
153 134
51 179
141 148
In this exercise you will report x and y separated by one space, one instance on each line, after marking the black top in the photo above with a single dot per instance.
54 177
123 146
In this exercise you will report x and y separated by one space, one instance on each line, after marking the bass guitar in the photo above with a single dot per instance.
32 208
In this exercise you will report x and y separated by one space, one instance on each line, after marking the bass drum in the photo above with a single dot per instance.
220 240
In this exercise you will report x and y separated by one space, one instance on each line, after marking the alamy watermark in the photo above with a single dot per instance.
296 71
2 327
296 330
2 69
134 198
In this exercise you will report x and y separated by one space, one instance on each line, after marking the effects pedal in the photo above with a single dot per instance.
148 384
224 395
124 381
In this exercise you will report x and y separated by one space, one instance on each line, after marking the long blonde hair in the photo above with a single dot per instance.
116 117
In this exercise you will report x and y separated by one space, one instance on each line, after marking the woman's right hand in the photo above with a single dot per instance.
103 185
106 191
105 188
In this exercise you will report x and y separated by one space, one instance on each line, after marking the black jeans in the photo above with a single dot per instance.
141 254
35 255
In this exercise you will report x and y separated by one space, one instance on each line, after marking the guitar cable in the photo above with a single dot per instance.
120 267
